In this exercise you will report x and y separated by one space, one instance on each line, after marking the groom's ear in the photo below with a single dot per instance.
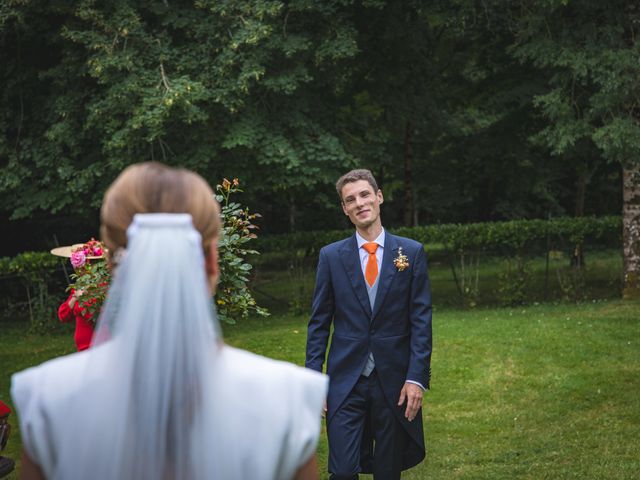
380 197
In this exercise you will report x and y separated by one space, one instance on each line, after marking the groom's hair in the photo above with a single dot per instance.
354 176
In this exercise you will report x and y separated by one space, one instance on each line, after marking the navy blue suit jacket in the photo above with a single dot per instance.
397 330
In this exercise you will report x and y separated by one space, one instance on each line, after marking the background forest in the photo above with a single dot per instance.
464 110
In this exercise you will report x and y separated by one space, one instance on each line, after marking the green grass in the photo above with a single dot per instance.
541 392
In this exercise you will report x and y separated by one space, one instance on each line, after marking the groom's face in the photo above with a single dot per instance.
361 204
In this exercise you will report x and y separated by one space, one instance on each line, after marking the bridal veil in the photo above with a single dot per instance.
159 333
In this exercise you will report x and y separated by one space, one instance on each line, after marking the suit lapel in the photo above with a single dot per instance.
388 271
351 261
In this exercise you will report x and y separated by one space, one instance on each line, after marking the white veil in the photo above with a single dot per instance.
139 409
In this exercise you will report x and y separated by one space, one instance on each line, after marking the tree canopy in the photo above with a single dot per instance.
464 111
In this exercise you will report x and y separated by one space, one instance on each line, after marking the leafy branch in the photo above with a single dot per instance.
233 298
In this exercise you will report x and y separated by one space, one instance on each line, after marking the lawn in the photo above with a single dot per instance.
537 392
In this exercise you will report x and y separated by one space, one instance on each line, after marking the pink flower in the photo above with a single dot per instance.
97 252
78 259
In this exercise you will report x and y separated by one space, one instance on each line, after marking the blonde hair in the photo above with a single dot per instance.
152 187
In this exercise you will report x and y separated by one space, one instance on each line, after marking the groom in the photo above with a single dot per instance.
374 288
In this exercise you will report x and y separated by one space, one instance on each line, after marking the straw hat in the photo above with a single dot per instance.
69 249
90 246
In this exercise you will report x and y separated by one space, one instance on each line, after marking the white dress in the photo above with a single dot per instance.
267 414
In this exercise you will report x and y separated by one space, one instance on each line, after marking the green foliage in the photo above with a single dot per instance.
29 266
463 248
233 298
211 86
572 283
466 274
292 93
456 106
507 237
297 269
514 282
590 51
33 270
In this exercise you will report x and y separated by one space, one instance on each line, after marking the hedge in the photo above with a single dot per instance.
34 271
29 277
491 236
510 236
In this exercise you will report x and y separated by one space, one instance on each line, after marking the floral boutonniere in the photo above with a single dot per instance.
401 261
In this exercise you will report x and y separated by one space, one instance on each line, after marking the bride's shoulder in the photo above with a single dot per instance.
37 390
55 378
251 367
289 395
64 366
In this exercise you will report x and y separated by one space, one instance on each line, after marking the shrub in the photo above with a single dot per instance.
33 271
463 245
513 281
233 298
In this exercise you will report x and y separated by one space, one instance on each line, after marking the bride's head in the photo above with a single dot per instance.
152 187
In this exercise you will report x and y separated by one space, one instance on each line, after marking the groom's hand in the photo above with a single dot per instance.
413 395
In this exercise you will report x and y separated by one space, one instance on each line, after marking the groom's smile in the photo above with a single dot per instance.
361 204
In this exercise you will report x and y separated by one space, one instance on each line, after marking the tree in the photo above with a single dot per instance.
212 86
591 50
435 97
441 113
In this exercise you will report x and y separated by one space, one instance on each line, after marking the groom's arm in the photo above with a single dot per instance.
420 319
322 310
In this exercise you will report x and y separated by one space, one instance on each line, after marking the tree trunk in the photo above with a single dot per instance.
631 231
408 176
292 214
380 177
581 193
577 259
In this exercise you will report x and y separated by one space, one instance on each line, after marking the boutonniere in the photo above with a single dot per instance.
401 261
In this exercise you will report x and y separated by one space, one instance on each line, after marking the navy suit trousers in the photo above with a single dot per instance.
365 414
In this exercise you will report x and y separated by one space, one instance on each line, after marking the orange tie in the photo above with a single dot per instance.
371 271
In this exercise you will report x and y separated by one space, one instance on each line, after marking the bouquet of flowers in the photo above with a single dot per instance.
90 250
90 278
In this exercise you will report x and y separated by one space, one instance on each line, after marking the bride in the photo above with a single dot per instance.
159 395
